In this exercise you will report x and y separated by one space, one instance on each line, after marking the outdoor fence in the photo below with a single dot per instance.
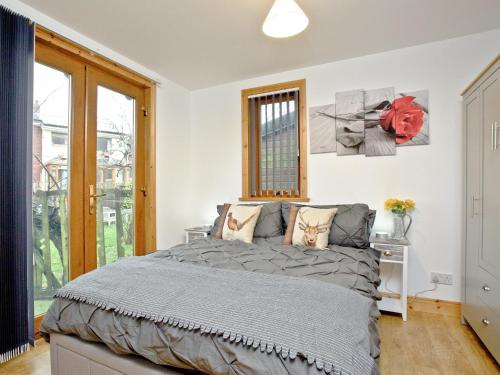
114 228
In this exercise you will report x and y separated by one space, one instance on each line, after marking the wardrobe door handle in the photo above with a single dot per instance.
473 210
492 136
486 321
486 288
495 141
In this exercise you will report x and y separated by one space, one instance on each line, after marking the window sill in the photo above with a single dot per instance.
274 199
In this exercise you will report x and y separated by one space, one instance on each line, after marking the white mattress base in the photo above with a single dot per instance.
70 355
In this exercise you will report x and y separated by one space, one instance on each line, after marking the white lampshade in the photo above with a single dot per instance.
285 19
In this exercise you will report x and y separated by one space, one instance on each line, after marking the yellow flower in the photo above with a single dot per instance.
409 204
390 203
399 205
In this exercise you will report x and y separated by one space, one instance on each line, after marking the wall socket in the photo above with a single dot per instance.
441 278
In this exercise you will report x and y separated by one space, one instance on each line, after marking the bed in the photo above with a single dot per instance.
349 275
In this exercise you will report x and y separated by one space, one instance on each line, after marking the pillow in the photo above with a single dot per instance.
371 220
213 230
269 224
292 216
312 227
240 223
220 223
350 226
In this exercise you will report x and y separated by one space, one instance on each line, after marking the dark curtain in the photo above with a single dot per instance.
16 117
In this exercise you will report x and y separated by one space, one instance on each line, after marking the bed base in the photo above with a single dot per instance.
70 355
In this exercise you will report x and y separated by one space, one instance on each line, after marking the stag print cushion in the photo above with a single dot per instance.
240 223
312 227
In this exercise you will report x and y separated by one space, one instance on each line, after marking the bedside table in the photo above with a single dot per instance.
197 233
395 252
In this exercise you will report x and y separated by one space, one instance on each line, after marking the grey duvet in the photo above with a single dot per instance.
176 345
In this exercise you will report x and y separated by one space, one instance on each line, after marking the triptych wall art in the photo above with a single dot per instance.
370 122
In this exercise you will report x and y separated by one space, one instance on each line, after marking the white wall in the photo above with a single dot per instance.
172 156
172 130
431 175
199 145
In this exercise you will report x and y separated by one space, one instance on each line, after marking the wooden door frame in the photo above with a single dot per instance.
92 58
56 51
60 61
95 78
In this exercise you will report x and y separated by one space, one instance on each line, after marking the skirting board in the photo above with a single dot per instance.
430 305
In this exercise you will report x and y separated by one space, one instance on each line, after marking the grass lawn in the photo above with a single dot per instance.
42 305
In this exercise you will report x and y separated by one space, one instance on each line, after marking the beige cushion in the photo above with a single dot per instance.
312 227
240 222
292 216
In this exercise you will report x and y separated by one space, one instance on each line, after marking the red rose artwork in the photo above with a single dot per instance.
403 118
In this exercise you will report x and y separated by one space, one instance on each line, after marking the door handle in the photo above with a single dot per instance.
92 197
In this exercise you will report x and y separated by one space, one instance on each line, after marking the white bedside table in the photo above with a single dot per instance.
395 252
197 232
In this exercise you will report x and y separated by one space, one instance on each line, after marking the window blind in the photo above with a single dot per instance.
274 164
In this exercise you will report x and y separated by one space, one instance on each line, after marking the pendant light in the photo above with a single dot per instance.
285 19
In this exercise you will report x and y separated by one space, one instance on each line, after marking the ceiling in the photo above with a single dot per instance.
201 43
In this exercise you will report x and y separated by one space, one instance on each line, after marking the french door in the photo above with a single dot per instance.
90 188
114 172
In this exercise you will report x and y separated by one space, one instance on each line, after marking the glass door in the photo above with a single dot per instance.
92 162
115 169
57 173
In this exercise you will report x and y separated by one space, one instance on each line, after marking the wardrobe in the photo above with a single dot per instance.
481 114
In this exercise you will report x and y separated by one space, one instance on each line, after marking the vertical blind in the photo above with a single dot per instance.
274 140
16 117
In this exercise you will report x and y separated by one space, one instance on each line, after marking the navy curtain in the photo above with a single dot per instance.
16 117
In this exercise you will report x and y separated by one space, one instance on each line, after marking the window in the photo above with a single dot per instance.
102 144
274 142
59 138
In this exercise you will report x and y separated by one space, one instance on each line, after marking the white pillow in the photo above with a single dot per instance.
240 223
312 227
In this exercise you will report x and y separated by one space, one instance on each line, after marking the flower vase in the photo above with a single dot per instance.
400 228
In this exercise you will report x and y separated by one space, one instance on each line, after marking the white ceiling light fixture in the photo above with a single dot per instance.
285 19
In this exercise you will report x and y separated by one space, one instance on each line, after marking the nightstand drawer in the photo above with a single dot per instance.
390 252
192 236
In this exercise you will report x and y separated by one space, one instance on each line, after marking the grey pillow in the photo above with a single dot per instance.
213 230
269 223
371 219
350 226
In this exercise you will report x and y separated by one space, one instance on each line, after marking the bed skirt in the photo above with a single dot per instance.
71 355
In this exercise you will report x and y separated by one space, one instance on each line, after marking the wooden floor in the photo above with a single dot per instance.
427 343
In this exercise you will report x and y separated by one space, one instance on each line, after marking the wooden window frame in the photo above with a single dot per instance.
83 56
302 142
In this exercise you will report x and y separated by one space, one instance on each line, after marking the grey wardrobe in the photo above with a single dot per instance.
481 113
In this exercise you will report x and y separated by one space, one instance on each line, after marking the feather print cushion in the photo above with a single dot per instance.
240 223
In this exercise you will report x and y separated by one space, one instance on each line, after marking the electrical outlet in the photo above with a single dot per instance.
441 278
